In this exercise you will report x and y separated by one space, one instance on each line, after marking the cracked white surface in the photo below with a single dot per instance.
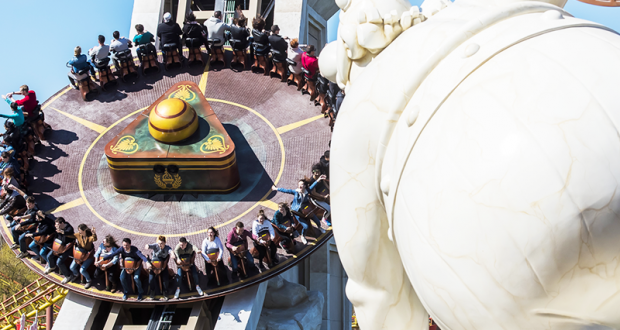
475 169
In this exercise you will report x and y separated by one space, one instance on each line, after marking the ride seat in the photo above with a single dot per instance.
310 86
279 68
172 55
260 58
217 52
193 45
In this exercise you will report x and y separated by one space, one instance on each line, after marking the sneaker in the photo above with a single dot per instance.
87 285
14 246
22 255
199 290
165 298
304 240
124 296
140 297
322 230
260 265
177 293
74 87
47 267
152 296
49 270
68 279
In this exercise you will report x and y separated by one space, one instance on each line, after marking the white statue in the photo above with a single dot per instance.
475 165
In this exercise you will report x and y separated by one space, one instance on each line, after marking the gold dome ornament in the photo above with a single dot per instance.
172 120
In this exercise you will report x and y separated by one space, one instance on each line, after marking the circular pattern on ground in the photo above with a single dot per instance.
280 149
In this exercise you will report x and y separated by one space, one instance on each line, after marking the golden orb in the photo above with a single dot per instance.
172 120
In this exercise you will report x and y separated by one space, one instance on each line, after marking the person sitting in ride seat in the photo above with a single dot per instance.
300 198
119 44
8 161
325 162
78 63
216 28
85 240
98 53
169 32
263 234
194 30
283 219
65 237
294 53
239 32
160 252
185 250
309 61
19 224
211 244
18 112
260 36
129 251
237 242
323 185
277 42
106 248
28 102
144 42
46 227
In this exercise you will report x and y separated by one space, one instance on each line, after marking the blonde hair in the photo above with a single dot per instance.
295 43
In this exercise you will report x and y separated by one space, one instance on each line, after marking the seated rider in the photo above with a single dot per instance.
129 251
106 248
309 61
194 30
119 44
213 244
160 252
260 36
46 227
238 31
17 115
65 238
301 198
263 234
8 161
78 63
284 220
144 42
28 102
294 53
323 187
278 43
85 240
216 28
238 244
98 53
169 32
185 252
21 223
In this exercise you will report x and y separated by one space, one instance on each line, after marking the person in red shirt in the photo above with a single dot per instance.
309 61
29 102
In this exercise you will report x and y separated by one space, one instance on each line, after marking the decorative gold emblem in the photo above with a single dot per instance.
126 144
184 92
167 180
215 143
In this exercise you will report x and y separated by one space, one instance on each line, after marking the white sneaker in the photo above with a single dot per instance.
177 293
304 240
68 279
199 290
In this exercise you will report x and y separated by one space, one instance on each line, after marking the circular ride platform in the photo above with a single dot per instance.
278 133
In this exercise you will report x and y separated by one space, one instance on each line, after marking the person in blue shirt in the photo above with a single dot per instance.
300 197
77 63
9 161
18 112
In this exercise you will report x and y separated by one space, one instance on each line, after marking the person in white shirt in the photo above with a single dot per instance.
118 45
216 28
210 245
263 234
99 52
294 53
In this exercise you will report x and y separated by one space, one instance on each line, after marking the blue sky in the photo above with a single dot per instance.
40 36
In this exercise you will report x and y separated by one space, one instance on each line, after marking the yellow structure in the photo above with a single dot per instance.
172 120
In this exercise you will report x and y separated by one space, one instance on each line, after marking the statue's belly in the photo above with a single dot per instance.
507 210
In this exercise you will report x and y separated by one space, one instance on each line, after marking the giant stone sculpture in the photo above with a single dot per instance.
476 165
